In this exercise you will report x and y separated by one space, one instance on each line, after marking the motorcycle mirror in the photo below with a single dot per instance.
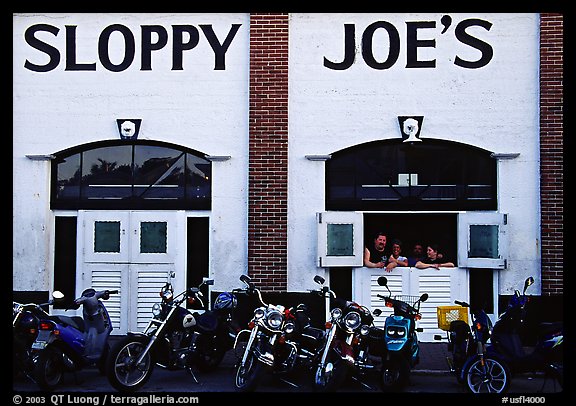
382 281
57 296
424 297
529 281
377 312
319 280
206 281
245 278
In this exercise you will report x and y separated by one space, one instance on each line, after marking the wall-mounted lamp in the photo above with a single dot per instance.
46 157
504 155
410 127
128 128
217 158
318 157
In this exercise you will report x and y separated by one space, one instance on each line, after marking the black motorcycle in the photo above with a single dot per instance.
176 338
25 320
489 371
464 340
278 342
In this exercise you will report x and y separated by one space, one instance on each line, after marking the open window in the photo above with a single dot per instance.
340 239
483 241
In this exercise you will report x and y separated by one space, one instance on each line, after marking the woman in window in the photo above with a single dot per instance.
432 259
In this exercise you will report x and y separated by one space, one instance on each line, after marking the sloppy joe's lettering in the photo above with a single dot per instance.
418 35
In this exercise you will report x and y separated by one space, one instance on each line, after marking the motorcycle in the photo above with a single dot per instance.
490 369
68 344
278 341
463 340
351 346
25 320
176 338
402 349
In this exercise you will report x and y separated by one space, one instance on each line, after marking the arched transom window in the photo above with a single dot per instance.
130 175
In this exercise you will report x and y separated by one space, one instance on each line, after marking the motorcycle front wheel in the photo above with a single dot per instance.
124 373
395 374
330 376
487 376
48 369
249 374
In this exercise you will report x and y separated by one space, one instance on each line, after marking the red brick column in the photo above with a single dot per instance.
551 153
268 149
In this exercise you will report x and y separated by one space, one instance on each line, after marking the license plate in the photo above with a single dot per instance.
41 340
39 345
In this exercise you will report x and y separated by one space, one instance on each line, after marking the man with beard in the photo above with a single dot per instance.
376 256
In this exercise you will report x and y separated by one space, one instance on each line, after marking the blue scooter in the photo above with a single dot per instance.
402 350
68 344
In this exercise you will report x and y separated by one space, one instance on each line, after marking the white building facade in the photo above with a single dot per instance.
133 153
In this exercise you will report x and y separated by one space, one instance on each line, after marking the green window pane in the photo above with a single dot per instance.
153 236
483 241
107 236
340 239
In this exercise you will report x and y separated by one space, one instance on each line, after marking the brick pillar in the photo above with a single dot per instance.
268 149
551 153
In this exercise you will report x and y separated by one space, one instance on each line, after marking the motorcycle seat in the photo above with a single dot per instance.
550 327
314 332
76 322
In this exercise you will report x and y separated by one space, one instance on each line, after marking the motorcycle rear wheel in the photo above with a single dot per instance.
121 369
493 377
48 369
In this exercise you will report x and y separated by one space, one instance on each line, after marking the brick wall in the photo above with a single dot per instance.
268 161
551 152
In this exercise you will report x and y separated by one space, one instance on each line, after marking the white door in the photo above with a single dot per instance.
135 252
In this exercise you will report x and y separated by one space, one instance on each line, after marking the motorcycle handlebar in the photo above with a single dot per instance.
463 304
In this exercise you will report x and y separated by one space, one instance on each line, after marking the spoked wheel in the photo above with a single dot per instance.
249 374
395 374
48 369
330 376
487 375
123 370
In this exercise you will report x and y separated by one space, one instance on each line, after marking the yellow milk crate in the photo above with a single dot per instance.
448 314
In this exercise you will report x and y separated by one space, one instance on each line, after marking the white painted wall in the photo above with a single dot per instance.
494 107
197 107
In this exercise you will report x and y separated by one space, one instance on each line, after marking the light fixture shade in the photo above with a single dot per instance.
410 127
128 128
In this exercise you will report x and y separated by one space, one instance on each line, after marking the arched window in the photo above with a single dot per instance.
135 174
390 175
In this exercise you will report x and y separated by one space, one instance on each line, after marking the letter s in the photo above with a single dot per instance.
465 38
34 42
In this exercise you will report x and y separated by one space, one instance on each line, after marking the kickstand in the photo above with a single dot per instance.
289 383
192 373
362 383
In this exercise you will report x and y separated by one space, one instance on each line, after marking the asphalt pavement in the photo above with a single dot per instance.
431 376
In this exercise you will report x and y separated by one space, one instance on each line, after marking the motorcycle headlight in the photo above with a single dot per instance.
156 309
289 327
274 318
258 313
364 330
352 320
336 313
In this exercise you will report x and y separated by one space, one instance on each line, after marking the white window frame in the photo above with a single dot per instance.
467 219
355 219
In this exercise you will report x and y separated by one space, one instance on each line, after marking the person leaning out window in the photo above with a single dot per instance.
432 260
